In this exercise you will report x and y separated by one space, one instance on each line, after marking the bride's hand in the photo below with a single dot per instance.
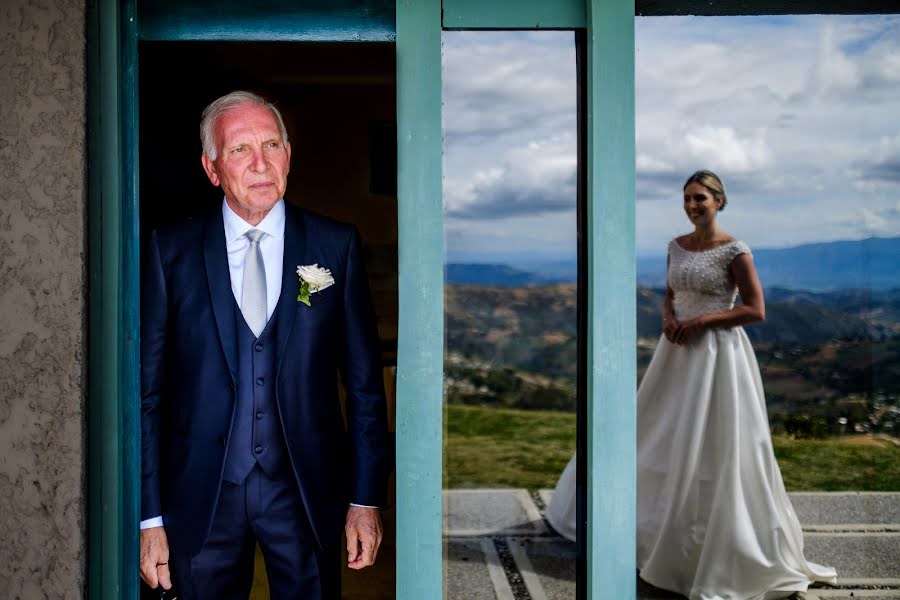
687 330
670 326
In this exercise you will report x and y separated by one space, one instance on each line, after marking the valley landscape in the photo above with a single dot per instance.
830 358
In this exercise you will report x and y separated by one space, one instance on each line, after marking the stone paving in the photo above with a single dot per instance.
498 546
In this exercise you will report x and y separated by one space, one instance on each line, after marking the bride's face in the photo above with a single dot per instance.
700 205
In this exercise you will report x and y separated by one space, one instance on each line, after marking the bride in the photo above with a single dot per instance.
713 518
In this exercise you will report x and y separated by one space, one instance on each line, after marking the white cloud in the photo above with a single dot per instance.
873 221
647 163
799 115
509 131
833 70
792 111
720 148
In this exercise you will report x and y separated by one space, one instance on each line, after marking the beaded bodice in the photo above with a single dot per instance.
701 280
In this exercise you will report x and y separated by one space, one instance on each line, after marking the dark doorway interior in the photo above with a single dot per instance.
339 104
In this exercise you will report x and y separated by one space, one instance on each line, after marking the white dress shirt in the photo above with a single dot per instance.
271 246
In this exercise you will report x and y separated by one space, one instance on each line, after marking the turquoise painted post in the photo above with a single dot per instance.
514 14
272 20
128 336
611 305
112 430
104 558
421 305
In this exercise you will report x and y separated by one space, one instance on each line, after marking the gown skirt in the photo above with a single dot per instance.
713 518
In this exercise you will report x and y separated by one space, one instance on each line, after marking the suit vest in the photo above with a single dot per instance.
256 435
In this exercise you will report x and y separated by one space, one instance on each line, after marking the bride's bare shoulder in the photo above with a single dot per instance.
727 238
682 240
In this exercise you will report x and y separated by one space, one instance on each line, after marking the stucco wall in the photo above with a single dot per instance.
42 299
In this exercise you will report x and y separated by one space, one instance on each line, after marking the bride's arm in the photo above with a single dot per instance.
670 323
751 310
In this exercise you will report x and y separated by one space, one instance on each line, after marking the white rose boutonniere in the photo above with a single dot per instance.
313 278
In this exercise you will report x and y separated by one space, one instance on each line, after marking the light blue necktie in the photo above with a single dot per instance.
253 292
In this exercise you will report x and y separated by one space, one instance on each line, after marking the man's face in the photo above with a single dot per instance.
252 162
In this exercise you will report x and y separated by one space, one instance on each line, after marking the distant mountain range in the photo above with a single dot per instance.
534 328
873 264
494 275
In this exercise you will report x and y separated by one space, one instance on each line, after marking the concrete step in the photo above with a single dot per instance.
843 508
485 512
858 558
468 572
821 510
498 538
545 567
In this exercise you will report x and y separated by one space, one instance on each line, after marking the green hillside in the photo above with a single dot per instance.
830 361
486 447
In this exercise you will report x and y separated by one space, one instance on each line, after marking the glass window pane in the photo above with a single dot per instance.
510 197
800 116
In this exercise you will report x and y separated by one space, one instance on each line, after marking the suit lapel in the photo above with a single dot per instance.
219 278
294 250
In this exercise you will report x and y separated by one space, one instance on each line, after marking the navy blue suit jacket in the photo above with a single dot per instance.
189 367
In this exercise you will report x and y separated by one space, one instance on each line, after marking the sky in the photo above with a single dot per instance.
800 117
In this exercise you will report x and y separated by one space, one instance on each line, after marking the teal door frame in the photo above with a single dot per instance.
114 31
608 446
113 263
114 28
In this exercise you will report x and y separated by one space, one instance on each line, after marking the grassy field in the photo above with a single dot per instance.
512 448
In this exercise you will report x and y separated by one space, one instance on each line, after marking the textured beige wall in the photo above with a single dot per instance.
42 299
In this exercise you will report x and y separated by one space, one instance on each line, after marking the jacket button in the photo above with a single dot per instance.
259 415
222 440
258 347
258 449
260 380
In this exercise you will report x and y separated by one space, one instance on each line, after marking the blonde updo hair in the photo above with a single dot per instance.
711 182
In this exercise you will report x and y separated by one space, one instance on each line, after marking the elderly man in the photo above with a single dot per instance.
248 313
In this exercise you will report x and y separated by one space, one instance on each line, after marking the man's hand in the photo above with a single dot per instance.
155 558
364 534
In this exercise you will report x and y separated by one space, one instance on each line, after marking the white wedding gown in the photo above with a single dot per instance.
714 521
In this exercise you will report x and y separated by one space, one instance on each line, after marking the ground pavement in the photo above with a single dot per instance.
498 546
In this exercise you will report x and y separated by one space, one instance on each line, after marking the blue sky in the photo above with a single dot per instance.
800 116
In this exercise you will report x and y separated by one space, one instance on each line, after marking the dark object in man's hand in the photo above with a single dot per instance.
169 594
158 593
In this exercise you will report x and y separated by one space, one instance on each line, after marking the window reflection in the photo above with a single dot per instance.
510 131
801 115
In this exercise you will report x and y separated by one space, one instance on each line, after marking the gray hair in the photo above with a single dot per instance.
220 106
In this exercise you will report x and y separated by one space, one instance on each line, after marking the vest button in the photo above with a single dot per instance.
260 380
259 415
258 449
258 347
